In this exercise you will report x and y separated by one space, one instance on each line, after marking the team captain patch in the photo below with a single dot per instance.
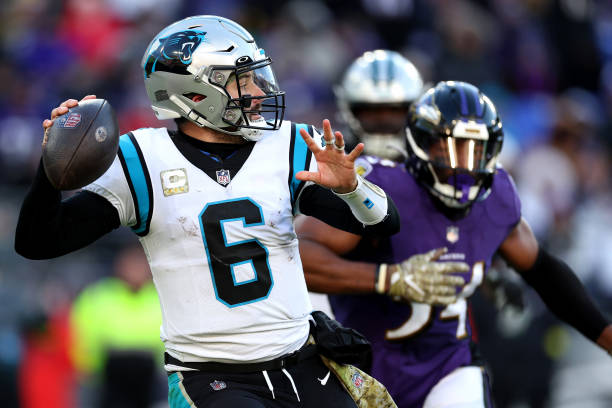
174 181
363 167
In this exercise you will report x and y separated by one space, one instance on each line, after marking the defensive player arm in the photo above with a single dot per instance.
556 284
320 248
49 227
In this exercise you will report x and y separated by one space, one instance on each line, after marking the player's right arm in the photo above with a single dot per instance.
49 227
419 278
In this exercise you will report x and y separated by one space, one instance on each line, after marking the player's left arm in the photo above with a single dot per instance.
556 284
337 185
324 205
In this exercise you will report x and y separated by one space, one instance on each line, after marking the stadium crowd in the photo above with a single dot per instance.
547 65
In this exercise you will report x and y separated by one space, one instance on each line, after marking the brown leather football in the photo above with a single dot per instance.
81 144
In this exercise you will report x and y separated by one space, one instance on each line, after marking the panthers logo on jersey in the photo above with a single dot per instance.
174 53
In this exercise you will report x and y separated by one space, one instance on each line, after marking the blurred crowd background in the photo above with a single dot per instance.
546 64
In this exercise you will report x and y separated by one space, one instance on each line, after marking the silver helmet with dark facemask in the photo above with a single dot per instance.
373 98
208 69
454 137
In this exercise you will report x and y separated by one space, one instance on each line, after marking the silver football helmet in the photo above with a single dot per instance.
209 70
373 98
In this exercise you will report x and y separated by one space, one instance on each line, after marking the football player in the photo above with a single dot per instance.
408 293
373 99
213 206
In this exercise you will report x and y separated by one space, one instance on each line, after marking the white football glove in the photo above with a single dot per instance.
423 280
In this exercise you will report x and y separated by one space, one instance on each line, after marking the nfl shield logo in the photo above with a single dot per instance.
218 385
223 177
452 234
357 380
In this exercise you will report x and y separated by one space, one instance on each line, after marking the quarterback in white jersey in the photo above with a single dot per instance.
223 251
213 205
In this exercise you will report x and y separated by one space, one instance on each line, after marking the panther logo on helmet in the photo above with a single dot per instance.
189 70
174 53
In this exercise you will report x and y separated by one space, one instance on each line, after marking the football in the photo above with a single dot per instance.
81 144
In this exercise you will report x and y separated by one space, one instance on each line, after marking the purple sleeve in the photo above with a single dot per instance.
503 204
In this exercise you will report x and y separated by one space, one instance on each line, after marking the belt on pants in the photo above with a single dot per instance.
285 361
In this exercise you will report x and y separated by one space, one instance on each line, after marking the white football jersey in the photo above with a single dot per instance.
224 259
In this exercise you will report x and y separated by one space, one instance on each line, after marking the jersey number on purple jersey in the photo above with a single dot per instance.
422 313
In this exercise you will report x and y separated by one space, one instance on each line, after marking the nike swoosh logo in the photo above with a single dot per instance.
324 380
412 284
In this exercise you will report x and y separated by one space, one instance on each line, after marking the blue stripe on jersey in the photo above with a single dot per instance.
299 157
137 174
176 398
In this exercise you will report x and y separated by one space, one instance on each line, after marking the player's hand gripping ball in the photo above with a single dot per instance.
81 144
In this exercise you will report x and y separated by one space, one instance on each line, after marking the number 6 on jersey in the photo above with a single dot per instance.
224 257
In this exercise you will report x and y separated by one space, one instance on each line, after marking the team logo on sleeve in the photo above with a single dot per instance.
223 177
174 181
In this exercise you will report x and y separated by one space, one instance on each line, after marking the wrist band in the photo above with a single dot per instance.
381 278
368 202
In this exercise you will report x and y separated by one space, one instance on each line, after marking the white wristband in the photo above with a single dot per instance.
368 202
382 279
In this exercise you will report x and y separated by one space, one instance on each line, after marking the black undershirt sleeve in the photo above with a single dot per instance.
49 227
323 204
565 295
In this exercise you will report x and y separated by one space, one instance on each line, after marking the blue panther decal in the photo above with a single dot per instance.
174 53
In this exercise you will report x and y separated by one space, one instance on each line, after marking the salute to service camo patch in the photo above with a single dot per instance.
365 390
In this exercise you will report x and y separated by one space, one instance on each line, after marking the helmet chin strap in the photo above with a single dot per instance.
252 135
446 190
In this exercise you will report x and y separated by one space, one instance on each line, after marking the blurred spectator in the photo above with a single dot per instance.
47 376
116 325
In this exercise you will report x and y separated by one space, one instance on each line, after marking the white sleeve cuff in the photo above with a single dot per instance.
368 202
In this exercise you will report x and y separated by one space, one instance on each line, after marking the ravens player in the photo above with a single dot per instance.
213 206
452 194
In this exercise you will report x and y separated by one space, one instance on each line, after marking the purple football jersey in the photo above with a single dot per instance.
415 345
